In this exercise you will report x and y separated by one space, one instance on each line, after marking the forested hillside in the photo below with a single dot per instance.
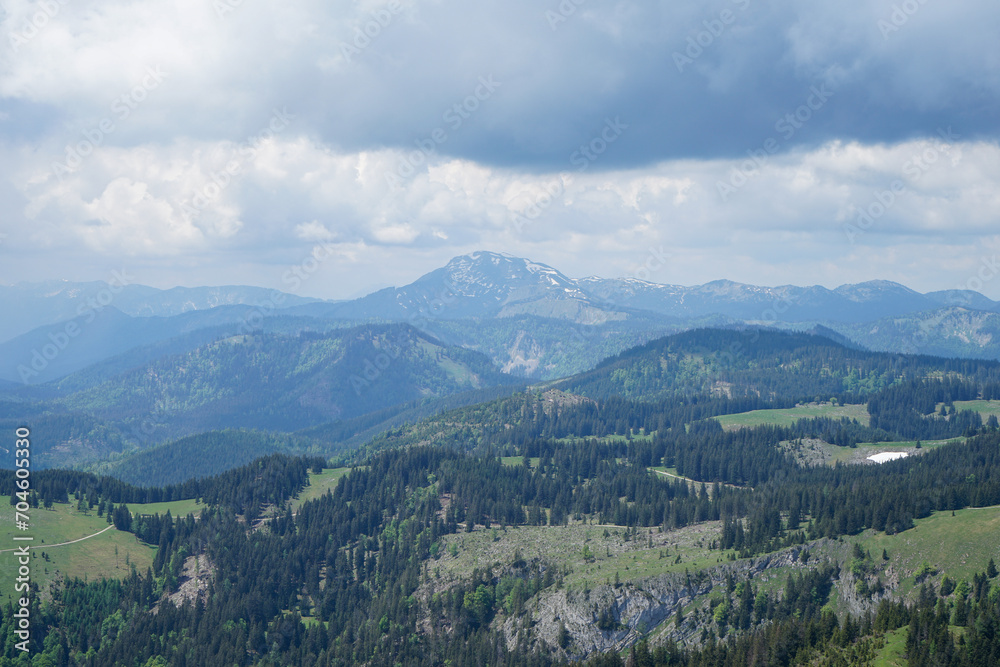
359 559
202 455
542 348
766 363
265 381
546 527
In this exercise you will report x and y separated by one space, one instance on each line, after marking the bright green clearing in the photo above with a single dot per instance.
788 416
319 484
649 553
109 554
893 653
959 546
985 408
177 508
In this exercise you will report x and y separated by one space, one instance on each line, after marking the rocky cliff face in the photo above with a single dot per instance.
631 610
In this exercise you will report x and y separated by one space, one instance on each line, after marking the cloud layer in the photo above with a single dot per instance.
766 142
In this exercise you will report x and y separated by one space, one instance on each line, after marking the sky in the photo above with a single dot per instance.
212 142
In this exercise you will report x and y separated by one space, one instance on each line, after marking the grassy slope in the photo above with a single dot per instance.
95 557
958 546
319 484
177 508
788 416
519 461
866 449
893 650
92 558
630 559
985 408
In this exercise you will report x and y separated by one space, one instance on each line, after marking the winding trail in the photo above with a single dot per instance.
695 483
62 544
675 476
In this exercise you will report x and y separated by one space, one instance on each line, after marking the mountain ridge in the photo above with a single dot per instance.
530 318
491 284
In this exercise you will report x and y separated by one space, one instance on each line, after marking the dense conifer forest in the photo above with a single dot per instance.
351 575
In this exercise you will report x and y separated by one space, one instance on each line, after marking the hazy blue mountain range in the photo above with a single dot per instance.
527 317
266 381
492 285
480 285
32 305
283 382
115 341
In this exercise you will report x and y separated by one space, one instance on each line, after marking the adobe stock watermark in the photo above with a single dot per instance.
454 117
34 24
365 34
21 621
538 205
883 200
656 259
899 16
293 278
61 339
704 39
159 416
588 153
373 369
224 8
442 301
989 268
245 154
121 108
917 342
787 126
562 13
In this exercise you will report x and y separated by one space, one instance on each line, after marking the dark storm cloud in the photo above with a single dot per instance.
749 137
690 79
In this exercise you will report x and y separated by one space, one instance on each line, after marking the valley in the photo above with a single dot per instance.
374 493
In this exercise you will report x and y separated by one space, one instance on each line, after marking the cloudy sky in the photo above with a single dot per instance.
769 142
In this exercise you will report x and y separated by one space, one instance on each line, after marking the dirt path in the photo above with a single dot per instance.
675 476
696 484
62 544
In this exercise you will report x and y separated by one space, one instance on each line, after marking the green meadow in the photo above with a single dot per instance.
788 416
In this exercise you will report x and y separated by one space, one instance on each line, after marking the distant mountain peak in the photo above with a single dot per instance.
483 271
481 256
483 259
871 286
884 297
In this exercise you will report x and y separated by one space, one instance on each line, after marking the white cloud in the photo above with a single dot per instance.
224 73
126 218
313 231
129 201
190 172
